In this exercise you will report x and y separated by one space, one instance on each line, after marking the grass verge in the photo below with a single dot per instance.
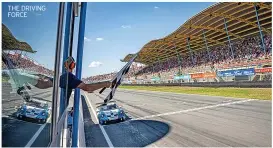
250 93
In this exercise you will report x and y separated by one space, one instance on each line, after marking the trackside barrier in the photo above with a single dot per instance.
262 84
238 72
264 70
221 73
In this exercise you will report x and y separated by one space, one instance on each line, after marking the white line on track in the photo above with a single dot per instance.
34 137
101 127
193 109
6 116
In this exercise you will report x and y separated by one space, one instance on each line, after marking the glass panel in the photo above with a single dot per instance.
29 44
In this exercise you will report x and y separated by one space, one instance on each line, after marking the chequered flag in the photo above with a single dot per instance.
118 79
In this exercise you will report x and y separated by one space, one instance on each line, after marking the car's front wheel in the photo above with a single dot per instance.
122 119
27 98
20 117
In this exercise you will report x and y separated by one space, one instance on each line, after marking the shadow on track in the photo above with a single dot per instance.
131 133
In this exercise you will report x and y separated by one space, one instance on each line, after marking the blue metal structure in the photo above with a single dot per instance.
78 73
65 54
228 38
261 33
206 44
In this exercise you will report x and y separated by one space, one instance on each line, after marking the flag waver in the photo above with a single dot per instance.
116 81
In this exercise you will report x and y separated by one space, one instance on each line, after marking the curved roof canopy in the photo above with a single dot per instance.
209 25
9 42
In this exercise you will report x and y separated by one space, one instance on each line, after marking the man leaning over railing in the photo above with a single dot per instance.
44 82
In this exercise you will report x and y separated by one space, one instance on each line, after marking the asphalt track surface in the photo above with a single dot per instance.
19 133
153 119
179 120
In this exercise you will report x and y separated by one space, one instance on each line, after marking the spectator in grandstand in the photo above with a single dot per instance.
98 78
246 50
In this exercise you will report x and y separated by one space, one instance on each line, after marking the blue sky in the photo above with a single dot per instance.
112 30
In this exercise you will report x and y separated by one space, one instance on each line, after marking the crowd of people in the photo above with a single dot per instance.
25 63
99 78
134 68
247 52
221 57
241 53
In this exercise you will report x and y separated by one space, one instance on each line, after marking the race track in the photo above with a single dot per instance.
179 120
153 119
20 133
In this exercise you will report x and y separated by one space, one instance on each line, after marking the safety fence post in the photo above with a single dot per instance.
189 46
206 45
228 38
178 58
261 33
169 65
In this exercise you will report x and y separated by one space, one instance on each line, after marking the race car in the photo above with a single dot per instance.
110 112
35 111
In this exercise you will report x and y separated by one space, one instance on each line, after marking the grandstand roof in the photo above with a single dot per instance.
9 42
241 22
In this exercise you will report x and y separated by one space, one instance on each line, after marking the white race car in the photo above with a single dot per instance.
110 112
34 111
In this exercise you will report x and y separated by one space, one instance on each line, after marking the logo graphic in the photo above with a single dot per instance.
21 11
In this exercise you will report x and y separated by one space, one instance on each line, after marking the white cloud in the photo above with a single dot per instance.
87 39
115 70
99 39
156 7
95 64
126 26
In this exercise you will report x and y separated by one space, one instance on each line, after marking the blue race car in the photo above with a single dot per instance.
35 111
110 112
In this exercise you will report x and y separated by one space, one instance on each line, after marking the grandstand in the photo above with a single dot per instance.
225 43
99 78
17 52
225 36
